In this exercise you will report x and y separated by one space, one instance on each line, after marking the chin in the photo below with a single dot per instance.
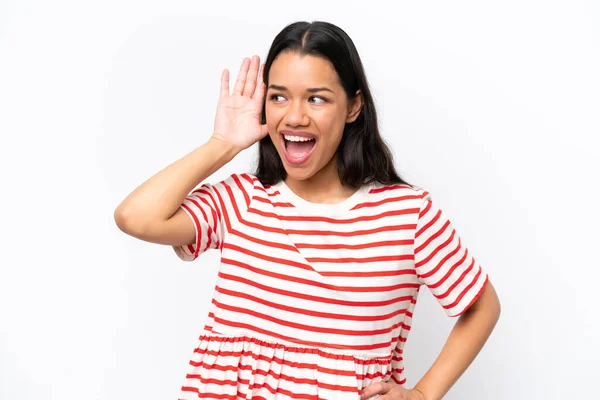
299 174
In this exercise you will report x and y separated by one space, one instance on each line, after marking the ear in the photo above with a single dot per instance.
354 107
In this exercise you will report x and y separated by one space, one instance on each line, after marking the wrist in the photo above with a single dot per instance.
222 146
420 393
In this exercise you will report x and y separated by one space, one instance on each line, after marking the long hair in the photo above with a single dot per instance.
362 155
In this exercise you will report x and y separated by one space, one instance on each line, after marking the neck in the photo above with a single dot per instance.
323 187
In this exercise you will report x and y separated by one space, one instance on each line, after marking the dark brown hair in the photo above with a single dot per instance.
362 156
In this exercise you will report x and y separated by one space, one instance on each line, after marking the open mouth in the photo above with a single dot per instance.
298 147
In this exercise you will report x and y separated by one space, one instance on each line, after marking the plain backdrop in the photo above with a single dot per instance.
493 107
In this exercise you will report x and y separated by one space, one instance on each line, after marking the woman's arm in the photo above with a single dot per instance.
148 212
467 338
152 211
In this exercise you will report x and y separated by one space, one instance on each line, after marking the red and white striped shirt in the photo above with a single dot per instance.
315 301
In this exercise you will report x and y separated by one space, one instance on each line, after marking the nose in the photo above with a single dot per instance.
296 115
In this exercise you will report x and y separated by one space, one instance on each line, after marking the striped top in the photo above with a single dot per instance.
315 301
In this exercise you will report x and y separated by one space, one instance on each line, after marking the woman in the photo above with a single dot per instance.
323 250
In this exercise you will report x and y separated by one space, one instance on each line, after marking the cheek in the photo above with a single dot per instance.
332 125
273 116
331 117
275 137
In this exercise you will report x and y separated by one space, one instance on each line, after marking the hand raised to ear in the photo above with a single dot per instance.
237 120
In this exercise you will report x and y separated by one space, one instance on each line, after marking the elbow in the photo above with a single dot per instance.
120 217
127 221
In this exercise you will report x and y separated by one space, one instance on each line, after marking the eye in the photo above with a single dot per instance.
319 100
322 100
274 96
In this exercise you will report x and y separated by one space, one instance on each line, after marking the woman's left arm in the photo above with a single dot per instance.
466 340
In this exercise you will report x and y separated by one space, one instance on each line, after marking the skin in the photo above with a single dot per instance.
152 211
323 113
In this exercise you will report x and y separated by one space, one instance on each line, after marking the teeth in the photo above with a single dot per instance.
296 138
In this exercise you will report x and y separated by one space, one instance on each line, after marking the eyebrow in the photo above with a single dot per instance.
311 90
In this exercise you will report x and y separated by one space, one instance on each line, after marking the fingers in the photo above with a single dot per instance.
251 78
373 389
259 93
241 78
225 83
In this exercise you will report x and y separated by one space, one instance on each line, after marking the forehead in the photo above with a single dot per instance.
301 71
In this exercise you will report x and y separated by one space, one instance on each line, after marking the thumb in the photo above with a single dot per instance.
264 130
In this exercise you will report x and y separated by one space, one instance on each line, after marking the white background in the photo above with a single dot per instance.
491 106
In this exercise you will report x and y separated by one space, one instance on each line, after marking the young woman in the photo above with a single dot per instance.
323 250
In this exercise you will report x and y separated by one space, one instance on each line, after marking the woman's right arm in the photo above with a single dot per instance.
152 212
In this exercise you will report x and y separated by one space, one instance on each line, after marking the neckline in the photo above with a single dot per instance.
325 209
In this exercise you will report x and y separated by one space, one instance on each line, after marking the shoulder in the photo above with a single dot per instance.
236 189
236 182
402 192
400 200
242 179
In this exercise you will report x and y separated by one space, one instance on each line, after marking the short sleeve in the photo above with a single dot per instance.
442 261
203 207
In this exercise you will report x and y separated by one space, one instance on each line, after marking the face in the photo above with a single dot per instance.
306 110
